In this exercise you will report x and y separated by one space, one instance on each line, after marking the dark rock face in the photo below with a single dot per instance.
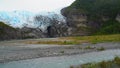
58 30
54 30
31 33
77 22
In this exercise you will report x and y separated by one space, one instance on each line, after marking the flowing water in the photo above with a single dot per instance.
62 61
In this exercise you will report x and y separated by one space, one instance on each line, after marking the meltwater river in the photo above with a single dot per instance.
63 61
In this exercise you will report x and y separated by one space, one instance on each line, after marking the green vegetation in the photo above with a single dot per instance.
53 42
89 47
80 39
101 49
70 43
3 27
110 27
104 64
95 39
62 52
102 12
71 67
98 8
28 37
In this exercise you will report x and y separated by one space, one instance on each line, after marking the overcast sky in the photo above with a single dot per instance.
33 5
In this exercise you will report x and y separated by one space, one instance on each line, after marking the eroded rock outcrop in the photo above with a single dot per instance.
57 30
88 17
77 22
28 32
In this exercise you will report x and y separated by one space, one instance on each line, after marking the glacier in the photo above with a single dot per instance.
19 19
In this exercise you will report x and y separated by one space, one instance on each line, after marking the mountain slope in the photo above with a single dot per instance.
93 16
7 32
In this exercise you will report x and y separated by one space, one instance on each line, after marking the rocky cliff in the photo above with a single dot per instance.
87 17
76 21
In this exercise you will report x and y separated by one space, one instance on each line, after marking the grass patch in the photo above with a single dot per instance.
62 52
70 43
101 49
104 64
71 67
79 39
54 42
96 39
89 47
